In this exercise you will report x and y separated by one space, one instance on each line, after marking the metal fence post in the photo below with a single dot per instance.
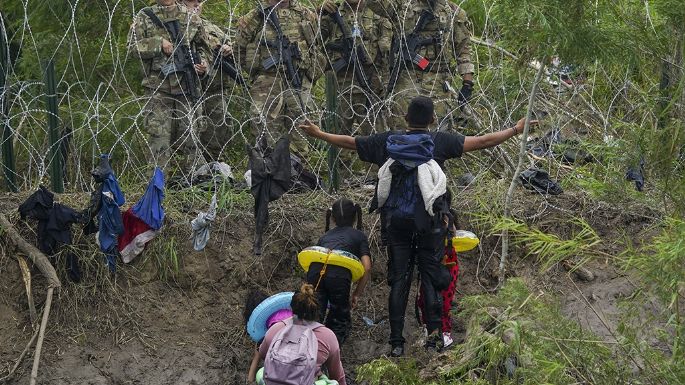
51 106
331 125
8 162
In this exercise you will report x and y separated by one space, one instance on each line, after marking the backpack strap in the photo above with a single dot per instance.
155 20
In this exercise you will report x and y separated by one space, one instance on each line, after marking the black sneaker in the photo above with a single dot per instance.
397 351
434 342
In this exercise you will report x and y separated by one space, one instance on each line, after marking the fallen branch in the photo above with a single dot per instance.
21 358
41 335
46 268
39 259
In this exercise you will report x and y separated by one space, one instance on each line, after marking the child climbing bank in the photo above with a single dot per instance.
295 348
333 283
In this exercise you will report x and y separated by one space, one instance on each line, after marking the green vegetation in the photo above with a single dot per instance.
549 248
627 103
515 337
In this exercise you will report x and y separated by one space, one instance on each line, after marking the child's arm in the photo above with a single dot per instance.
251 375
361 285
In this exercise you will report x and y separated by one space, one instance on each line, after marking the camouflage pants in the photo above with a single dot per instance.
432 85
359 109
277 110
359 114
218 126
172 125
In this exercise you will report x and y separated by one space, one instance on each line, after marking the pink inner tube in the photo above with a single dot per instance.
279 316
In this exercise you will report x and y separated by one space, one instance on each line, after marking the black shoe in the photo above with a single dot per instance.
397 351
434 342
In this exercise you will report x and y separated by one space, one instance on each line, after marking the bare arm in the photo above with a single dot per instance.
361 285
251 375
472 143
342 141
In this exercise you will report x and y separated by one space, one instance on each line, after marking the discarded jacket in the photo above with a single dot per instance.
54 226
271 178
636 174
539 181
553 140
303 179
110 222
207 177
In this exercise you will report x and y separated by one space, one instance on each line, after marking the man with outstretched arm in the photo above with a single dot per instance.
414 205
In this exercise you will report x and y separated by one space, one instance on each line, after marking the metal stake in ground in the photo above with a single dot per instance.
52 108
8 162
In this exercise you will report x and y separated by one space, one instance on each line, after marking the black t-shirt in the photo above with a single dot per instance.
343 238
372 148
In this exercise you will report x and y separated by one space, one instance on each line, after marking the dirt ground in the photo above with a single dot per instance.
188 329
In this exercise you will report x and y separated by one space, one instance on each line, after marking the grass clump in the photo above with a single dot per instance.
519 337
514 337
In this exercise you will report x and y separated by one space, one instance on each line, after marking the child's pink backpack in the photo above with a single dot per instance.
291 358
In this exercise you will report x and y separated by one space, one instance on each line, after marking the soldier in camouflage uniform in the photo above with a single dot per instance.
276 105
170 114
218 88
449 54
358 103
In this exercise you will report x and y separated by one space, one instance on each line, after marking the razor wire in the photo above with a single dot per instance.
102 106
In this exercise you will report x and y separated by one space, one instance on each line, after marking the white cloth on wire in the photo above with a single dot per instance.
201 225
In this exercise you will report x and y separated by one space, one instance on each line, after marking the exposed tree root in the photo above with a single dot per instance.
46 268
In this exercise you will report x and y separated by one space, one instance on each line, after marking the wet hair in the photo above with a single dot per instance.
304 303
344 211
420 111
252 300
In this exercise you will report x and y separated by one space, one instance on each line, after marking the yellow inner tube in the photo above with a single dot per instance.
337 257
464 241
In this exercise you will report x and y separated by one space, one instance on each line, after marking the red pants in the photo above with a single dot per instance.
452 262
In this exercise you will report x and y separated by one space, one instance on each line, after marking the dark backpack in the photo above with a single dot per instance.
409 151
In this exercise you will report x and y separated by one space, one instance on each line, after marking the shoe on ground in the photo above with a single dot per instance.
397 351
447 340
434 342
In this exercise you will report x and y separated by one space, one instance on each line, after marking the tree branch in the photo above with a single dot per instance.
519 166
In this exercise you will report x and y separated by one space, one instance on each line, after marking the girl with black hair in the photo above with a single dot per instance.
305 309
333 286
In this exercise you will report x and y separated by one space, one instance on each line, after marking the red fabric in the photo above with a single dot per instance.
134 228
447 294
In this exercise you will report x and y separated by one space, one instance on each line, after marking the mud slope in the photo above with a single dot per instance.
157 324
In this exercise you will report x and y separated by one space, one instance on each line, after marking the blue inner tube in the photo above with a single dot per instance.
256 325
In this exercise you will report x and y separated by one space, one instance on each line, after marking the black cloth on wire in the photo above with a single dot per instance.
271 178
54 219
54 225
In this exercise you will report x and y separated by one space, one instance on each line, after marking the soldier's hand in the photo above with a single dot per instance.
465 92
226 50
201 68
167 47
329 7
309 128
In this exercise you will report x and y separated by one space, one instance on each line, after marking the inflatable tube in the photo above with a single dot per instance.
256 325
336 257
464 241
